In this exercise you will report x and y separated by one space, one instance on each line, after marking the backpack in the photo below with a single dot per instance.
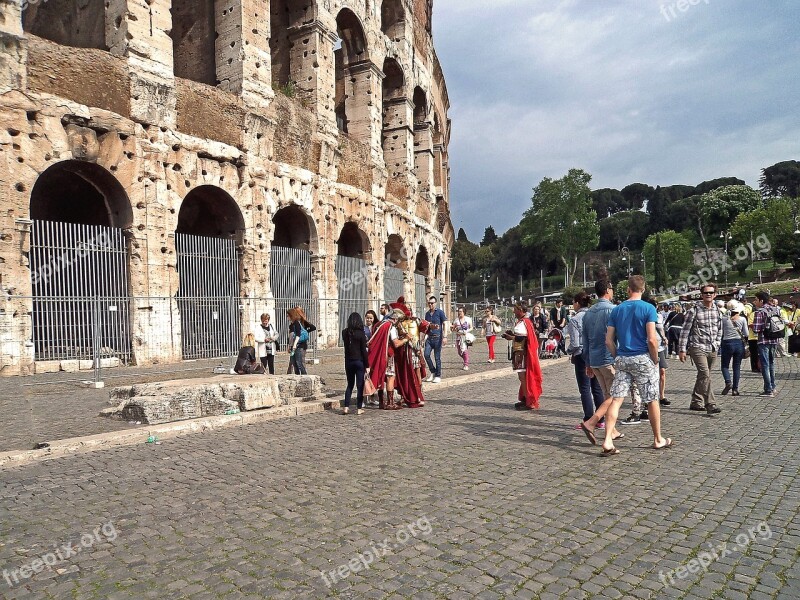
303 335
774 326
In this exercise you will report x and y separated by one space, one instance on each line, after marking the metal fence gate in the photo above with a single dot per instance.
79 275
208 296
290 279
420 291
392 284
352 274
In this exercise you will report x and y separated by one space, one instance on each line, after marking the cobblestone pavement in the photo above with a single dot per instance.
53 406
469 498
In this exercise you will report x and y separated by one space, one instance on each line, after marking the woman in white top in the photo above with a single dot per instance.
492 326
266 337
461 326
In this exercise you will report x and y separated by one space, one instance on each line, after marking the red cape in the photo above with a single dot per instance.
405 378
533 371
378 354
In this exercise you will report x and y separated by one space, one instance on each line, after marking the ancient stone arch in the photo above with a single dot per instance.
398 133
396 253
295 228
353 242
351 57
210 211
393 18
289 26
74 191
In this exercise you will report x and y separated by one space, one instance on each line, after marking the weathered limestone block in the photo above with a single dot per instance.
163 402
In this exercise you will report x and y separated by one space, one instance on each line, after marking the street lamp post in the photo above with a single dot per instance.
726 235
625 256
485 280
644 267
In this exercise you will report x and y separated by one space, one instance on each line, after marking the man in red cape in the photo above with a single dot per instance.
531 384
526 362
378 355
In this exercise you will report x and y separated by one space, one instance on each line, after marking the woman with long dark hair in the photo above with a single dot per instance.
355 361
370 321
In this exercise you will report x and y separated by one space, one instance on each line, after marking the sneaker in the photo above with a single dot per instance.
726 389
631 420
664 402
465 368
601 426
360 411
734 392
345 411
713 409
697 407
767 394
429 378
436 380
644 416
522 406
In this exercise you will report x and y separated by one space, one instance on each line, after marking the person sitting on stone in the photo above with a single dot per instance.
247 362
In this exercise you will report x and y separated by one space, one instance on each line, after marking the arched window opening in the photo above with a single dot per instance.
194 40
393 19
209 227
349 50
420 107
69 23
79 264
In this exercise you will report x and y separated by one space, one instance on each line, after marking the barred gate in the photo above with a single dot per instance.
208 296
392 284
420 291
352 274
290 279
79 276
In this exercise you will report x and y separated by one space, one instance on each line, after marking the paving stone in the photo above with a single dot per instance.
259 511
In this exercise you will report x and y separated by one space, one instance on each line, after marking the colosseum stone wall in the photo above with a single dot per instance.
172 169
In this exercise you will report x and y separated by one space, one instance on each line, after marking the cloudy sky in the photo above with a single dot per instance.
629 90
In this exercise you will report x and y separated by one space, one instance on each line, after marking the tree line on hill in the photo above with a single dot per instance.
640 225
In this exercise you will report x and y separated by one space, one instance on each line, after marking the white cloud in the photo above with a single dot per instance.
538 87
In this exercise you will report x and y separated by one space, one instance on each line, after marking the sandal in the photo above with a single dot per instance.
665 446
589 434
609 452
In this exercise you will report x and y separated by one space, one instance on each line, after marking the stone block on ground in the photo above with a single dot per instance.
164 402
48 366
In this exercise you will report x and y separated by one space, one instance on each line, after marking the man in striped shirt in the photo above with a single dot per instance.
701 338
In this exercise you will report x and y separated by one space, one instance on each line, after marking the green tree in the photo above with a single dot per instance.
463 260
626 228
781 179
489 237
676 249
721 206
606 202
773 226
660 268
462 235
561 214
708 186
636 194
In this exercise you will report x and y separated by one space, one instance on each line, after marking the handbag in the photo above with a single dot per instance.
794 343
369 387
469 339
745 342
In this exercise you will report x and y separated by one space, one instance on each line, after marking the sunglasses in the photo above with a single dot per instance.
711 293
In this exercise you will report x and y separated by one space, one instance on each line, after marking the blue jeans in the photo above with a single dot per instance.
299 362
435 345
766 355
354 369
589 388
732 350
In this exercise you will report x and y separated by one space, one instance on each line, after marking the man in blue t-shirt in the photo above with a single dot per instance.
436 336
632 339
